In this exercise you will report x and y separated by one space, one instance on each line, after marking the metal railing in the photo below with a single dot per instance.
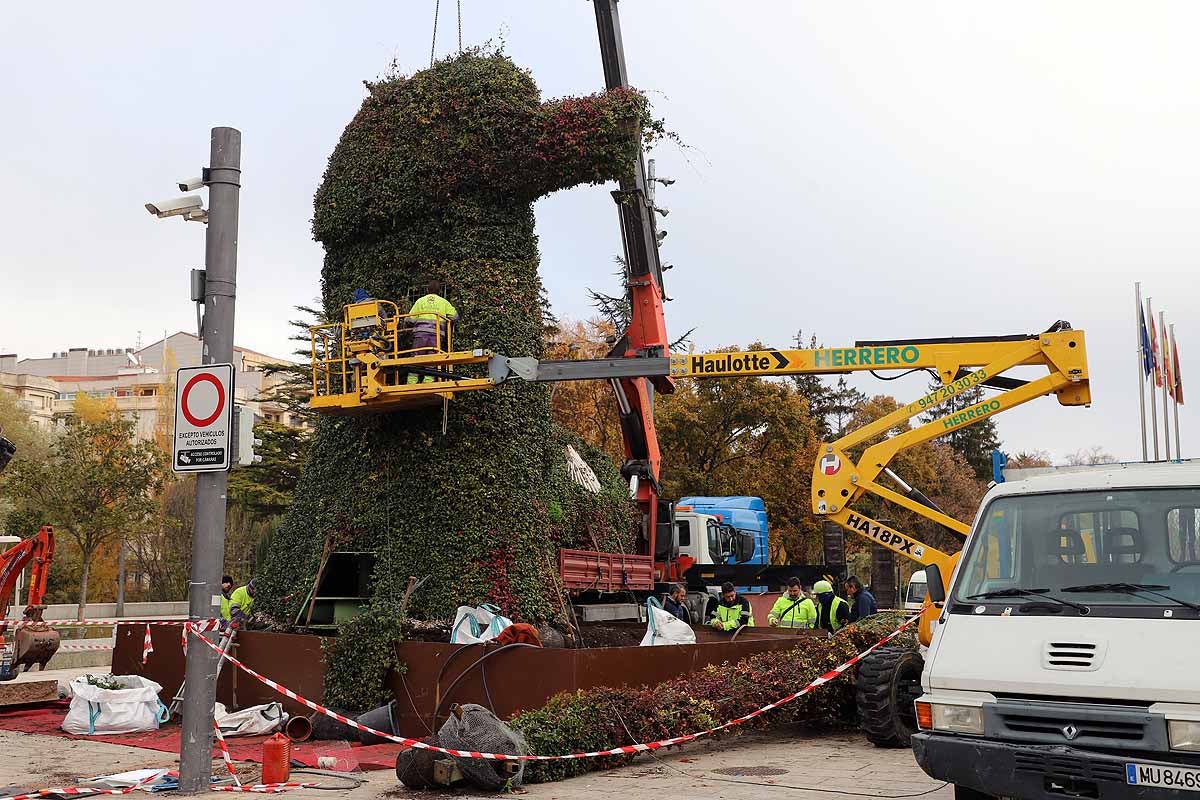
335 346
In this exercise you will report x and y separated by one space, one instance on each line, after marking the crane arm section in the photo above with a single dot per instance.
37 550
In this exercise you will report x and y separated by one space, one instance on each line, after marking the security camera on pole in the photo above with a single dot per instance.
205 446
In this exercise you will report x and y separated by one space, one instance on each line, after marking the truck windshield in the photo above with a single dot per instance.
1085 542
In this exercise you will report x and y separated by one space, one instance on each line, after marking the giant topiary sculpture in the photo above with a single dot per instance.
434 179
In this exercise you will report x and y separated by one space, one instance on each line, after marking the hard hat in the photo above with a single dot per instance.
820 587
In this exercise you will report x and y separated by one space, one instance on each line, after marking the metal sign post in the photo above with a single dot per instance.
223 179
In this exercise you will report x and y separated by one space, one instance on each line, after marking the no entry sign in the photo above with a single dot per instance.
203 418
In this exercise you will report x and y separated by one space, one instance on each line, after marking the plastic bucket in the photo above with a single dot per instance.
381 719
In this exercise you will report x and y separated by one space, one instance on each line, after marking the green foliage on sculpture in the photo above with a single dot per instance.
357 661
434 179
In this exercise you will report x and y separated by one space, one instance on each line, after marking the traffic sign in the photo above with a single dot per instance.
203 418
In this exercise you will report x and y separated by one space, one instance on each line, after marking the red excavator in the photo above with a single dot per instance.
33 641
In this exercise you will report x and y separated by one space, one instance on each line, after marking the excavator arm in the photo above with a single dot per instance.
34 642
38 551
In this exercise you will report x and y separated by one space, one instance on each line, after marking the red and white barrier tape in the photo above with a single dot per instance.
88 790
225 753
261 788
197 627
147 647
71 623
83 647
616 751
258 788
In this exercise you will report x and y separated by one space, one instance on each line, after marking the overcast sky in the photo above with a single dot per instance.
857 170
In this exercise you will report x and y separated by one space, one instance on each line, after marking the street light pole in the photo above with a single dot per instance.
223 178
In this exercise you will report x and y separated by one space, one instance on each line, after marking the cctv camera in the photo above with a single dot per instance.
191 184
175 206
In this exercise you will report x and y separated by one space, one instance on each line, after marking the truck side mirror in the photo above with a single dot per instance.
934 584
743 546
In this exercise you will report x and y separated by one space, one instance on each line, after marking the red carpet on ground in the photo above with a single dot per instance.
47 719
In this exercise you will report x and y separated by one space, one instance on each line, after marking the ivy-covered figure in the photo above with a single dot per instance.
434 180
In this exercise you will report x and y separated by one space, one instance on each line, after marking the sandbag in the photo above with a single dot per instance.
473 625
253 721
96 711
663 627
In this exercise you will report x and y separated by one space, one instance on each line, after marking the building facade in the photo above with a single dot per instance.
138 380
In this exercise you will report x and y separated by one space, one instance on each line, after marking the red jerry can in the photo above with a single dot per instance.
277 758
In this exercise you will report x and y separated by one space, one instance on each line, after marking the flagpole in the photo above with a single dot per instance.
1162 350
1141 370
1153 408
1175 394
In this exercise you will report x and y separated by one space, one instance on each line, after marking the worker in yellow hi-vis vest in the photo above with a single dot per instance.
429 313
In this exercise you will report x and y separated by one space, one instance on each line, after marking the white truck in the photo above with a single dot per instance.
1065 661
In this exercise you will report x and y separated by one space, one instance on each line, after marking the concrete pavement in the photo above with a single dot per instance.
805 764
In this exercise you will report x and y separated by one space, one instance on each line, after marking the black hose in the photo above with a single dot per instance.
450 689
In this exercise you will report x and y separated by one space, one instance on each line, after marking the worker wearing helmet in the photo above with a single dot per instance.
793 609
241 602
832 611
428 316
732 611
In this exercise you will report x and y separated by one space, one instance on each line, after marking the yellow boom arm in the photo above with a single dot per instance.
363 364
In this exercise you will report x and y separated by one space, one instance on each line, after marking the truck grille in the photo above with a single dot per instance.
1066 767
1081 725
1072 656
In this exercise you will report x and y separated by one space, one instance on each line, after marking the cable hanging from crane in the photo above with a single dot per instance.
437 8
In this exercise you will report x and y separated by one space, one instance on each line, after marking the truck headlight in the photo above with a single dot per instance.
958 719
1183 735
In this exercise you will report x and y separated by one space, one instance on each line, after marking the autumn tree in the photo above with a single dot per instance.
588 408
935 468
975 442
1089 456
96 483
32 445
743 436
1029 459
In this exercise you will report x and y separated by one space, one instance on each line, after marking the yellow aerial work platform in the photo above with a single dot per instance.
368 361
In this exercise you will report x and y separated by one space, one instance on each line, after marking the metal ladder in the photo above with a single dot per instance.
225 644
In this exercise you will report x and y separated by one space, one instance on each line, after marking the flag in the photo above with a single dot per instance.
1175 365
1168 375
1155 358
1147 350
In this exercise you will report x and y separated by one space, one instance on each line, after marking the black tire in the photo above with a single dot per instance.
889 680
965 793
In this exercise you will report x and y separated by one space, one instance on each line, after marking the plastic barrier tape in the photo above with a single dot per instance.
71 623
616 751
84 790
225 754
147 647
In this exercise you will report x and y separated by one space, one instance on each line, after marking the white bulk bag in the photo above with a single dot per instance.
95 711
663 627
253 721
474 625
